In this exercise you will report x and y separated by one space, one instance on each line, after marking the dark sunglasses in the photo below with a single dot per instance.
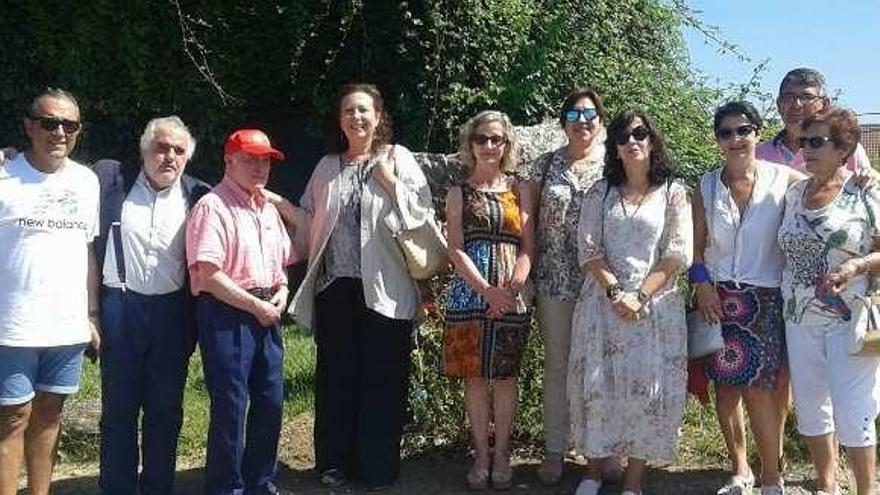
482 139
51 123
814 142
640 133
741 131
573 114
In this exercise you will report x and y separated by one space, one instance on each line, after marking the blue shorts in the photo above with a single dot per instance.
27 370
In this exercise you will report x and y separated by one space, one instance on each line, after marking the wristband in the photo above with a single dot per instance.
698 273
614 291
643 297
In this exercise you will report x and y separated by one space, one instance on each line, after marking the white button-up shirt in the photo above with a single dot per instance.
153 240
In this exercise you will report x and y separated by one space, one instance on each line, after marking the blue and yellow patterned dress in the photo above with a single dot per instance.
473 344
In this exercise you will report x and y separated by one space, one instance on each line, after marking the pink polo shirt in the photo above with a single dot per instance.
245 238
776 151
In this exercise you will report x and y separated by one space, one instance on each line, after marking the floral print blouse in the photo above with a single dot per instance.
557 273
816 242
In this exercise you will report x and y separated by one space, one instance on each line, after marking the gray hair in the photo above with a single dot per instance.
803 76
466 154
173 122
54 93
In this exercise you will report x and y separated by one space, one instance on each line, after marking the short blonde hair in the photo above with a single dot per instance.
465 151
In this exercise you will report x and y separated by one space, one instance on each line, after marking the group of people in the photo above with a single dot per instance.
778 244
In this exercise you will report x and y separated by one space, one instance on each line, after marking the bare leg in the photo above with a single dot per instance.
41 441
731 418
632 476
13 424
823 452
764 418
504 395
476 396
862 460
784 409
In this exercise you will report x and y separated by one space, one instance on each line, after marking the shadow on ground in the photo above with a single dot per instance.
435 476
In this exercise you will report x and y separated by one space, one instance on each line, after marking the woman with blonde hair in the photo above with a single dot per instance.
489 229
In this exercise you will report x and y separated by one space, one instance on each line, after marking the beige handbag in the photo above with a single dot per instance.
424 248
867 327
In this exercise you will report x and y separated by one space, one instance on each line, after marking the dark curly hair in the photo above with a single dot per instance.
337 142
661 167
735 108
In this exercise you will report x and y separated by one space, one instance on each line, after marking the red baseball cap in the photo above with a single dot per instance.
252 141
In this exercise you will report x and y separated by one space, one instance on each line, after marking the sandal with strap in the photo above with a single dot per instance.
477 479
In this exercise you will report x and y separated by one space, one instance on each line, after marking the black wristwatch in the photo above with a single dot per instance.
614 291
643 297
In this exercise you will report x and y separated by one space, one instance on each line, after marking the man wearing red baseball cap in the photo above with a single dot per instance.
237 250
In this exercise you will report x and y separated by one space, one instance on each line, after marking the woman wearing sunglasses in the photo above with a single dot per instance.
561 178
487 312
736 274
830 237
627 365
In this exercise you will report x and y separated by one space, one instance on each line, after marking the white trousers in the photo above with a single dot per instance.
834 391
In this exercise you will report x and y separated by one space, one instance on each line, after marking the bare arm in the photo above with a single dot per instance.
93 281
498 299
527 237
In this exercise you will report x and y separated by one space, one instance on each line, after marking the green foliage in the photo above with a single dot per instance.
221 64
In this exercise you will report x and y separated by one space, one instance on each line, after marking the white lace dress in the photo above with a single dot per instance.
627 380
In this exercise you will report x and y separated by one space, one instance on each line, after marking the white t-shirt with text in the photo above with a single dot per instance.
46 224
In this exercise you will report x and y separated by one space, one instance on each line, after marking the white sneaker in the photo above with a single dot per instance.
630 492
588 486
737 485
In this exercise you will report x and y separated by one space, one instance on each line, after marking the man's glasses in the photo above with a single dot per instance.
482 139
741 131
573 114
802 99
50 124
640 133
813 142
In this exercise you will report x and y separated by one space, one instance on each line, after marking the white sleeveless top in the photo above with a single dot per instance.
746 250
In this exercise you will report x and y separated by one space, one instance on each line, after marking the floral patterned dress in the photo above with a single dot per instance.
627 380
474 345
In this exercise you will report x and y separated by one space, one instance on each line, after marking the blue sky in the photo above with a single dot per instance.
839 38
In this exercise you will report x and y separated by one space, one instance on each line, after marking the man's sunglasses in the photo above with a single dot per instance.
814 142
573 114
482 139
741 131
50 124
640 133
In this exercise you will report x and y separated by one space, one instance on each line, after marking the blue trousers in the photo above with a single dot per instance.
243 373
144 356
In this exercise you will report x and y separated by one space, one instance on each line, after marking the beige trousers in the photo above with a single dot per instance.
555 316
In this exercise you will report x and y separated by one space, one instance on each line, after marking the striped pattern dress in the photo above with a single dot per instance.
474 345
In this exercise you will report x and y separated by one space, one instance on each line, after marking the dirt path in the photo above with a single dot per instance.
430 475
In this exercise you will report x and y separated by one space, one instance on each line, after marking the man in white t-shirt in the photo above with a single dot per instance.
48 287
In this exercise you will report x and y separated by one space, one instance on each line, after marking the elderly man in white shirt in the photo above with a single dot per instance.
147 320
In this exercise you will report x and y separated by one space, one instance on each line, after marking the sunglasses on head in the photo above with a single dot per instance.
814 142
741 131
482 139
50 124
573 114
640 133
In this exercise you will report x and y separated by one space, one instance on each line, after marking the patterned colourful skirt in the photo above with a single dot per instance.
754 337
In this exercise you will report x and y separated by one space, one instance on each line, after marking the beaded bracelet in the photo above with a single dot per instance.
698 273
